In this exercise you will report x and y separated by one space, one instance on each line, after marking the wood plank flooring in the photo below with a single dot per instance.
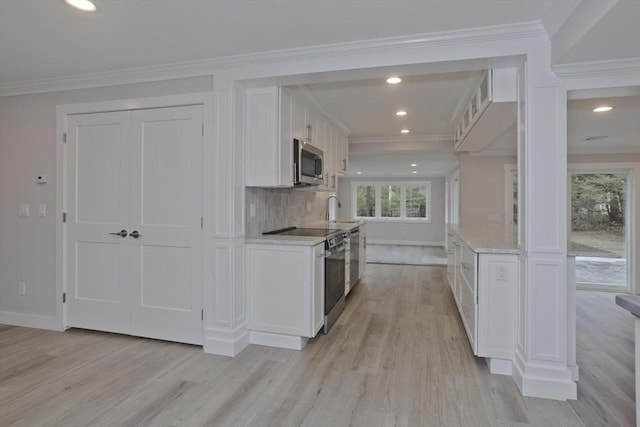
406 254
605 354
398 356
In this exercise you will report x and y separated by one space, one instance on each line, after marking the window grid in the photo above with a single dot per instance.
397 205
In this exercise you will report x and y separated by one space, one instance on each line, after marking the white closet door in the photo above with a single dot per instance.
166 209
98 204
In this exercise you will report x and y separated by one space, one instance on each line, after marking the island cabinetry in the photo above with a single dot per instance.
273 117
286 293
483 282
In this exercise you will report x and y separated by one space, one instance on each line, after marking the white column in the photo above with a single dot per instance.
541 367
225 322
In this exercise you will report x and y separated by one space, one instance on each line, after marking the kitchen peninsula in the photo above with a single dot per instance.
482 271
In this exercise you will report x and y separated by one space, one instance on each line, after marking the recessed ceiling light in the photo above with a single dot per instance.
394 80
401 113
414 172
404 131
359 173
602 109
414 164
85 5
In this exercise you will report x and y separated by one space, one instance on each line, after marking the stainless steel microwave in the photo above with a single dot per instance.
308 164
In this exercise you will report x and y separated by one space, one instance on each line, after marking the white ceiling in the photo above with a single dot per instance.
45 40
41 39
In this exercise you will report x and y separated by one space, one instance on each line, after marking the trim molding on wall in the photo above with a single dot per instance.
206 67
597 68
51 323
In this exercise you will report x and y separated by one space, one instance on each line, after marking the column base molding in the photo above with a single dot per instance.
226 341
544 381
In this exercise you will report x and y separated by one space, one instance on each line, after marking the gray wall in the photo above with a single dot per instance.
482 188
406 233
27 149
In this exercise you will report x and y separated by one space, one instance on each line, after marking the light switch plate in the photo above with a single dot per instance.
42 210
252 210
23 210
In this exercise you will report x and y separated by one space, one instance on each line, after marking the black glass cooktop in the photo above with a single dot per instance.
294 231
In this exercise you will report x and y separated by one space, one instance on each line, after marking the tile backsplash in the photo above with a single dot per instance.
282 207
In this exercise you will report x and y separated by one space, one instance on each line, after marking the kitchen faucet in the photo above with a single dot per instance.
332 196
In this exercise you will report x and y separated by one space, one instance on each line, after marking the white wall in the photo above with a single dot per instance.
482 188
27 149
432 233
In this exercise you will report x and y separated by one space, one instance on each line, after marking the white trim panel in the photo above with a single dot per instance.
547 297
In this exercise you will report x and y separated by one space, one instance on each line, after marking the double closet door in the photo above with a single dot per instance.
133 254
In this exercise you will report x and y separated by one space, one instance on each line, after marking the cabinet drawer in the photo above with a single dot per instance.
468 265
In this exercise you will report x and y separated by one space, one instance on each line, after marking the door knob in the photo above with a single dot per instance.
135 234
121 233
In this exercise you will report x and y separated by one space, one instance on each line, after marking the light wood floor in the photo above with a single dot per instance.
605 354
397 357
406 254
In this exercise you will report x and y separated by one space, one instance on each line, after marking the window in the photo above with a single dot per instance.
392 201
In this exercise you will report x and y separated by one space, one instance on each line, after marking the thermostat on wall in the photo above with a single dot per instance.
41 179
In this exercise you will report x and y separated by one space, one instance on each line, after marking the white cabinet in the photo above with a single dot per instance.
484 286
268 135
343 153
286 293
490 111
273 117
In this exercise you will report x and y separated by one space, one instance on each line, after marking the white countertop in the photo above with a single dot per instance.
276 239
484 238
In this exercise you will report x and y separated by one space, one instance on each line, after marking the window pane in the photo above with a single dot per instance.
366 201
390 201
416 201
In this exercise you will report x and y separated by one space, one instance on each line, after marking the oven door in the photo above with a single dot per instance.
334 285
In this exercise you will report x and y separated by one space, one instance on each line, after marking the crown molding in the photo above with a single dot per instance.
396 139
598 68
205 67
604 150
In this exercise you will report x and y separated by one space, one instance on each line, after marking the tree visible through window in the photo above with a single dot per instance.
416 201
366 201
392 200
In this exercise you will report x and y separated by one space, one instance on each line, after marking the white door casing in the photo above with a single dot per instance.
149 181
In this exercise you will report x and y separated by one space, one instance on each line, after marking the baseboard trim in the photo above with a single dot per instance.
557 384
277 340
30 321
500 366
405 242
226 342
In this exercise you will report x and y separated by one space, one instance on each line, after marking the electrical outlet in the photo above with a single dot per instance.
42 210
501 272
23 210
308 206
22 288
